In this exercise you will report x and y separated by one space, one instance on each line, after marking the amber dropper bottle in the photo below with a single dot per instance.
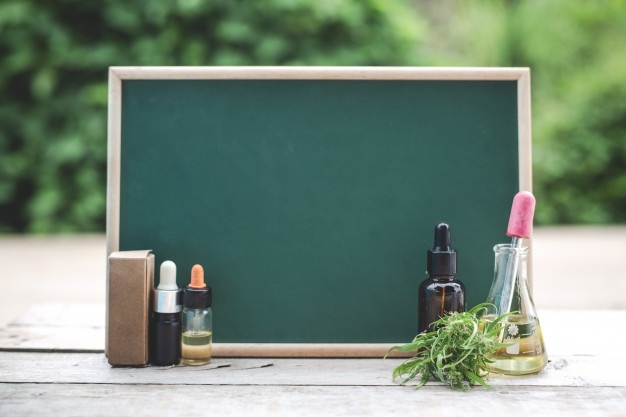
197 337
441 292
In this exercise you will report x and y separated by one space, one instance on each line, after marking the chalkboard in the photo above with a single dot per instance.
310 195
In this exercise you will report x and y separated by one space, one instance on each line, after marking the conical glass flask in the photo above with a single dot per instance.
525 353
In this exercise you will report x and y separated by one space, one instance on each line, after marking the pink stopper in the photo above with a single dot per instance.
522 212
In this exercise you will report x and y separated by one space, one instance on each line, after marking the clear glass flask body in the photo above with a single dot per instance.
525 352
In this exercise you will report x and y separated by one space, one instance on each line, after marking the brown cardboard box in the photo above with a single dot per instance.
129 286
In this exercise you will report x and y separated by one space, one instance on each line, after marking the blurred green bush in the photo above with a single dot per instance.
579 108
54 58
53 78
576 50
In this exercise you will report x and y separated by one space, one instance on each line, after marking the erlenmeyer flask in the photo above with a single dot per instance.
525 353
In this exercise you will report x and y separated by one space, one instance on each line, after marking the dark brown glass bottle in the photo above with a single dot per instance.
441 292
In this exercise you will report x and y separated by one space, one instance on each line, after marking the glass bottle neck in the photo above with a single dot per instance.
443 277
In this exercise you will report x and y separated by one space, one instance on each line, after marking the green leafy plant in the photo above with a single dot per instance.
456 352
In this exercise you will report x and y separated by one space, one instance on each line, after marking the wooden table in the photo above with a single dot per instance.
51 363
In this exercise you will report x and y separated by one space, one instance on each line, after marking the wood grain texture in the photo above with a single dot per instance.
80 327
584 378
56 327
318 73
190 401
114 136
22 367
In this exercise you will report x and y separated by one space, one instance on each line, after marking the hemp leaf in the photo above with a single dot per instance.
456 352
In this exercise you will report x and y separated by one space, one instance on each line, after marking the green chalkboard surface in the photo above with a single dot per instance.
310 195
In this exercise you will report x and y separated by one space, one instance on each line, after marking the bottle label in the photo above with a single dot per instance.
513 332
518 330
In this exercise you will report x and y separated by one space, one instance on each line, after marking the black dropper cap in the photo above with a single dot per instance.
441 259
197 294
198 298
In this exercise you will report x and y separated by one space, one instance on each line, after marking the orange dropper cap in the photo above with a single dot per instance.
197 277
197 294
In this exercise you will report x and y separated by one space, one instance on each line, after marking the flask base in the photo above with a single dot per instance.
518 365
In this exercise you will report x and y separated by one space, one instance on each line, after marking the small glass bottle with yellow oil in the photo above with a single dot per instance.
197 337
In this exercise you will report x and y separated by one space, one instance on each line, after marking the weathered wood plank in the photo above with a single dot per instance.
581 332
20 367
170 400
62 315
56 327
584 377
50 339
80 327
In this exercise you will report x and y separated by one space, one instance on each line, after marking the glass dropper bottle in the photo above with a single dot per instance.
197 337
441 292
165 325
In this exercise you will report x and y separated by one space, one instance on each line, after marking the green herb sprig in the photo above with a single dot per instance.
456 352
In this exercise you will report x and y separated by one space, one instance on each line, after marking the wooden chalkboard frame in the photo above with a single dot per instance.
118 74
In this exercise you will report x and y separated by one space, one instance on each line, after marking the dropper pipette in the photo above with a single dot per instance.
520 227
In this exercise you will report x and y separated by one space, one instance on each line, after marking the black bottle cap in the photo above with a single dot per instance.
441 259
198 297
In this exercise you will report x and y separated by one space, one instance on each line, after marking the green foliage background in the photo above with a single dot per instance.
54 58
576 50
